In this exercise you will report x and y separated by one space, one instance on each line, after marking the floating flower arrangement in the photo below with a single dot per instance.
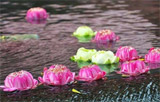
133 68
84 54
21 81
61 75
57 75
90 73
104 57
36 15
103 36
96 57
153 55
127 53
84 34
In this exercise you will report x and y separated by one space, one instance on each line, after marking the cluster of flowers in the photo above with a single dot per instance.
84 32
61 75
131 64
55 75
96 57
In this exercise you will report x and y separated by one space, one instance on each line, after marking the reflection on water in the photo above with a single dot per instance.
136 22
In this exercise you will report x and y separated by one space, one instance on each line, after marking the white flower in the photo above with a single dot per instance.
104 57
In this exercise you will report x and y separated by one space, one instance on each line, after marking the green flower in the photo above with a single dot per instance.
84 39
83 31
83 54
104 57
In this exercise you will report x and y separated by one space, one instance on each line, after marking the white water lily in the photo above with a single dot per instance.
104 57
84 54
83 31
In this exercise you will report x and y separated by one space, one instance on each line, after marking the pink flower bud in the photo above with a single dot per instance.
105 35
134 68
127 53
57 75
36 13
21 80
90 73
153 56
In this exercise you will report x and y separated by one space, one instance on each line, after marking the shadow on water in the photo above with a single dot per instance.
136 22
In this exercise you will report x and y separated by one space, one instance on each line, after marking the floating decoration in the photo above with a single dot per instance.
36 13
18 37
21 81
153 55
104 57
57 75
127 53
84 34
133 68
83 54
90 73
104 36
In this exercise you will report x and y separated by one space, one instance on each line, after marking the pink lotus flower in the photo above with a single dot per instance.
57 75
36 13
90 73
153 56
134 68
127 53
105 35
153 65
21 80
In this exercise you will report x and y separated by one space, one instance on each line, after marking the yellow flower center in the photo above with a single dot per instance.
156 50
19 73
105 32
36 9
58 68
128 47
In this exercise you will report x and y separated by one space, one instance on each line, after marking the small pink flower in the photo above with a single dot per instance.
90 73
36 13
105 35
134 68
57 75
153 56
127 53
21 80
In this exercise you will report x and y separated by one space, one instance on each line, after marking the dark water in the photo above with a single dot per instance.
135 21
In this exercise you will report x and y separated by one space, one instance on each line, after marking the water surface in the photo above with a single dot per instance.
136 22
